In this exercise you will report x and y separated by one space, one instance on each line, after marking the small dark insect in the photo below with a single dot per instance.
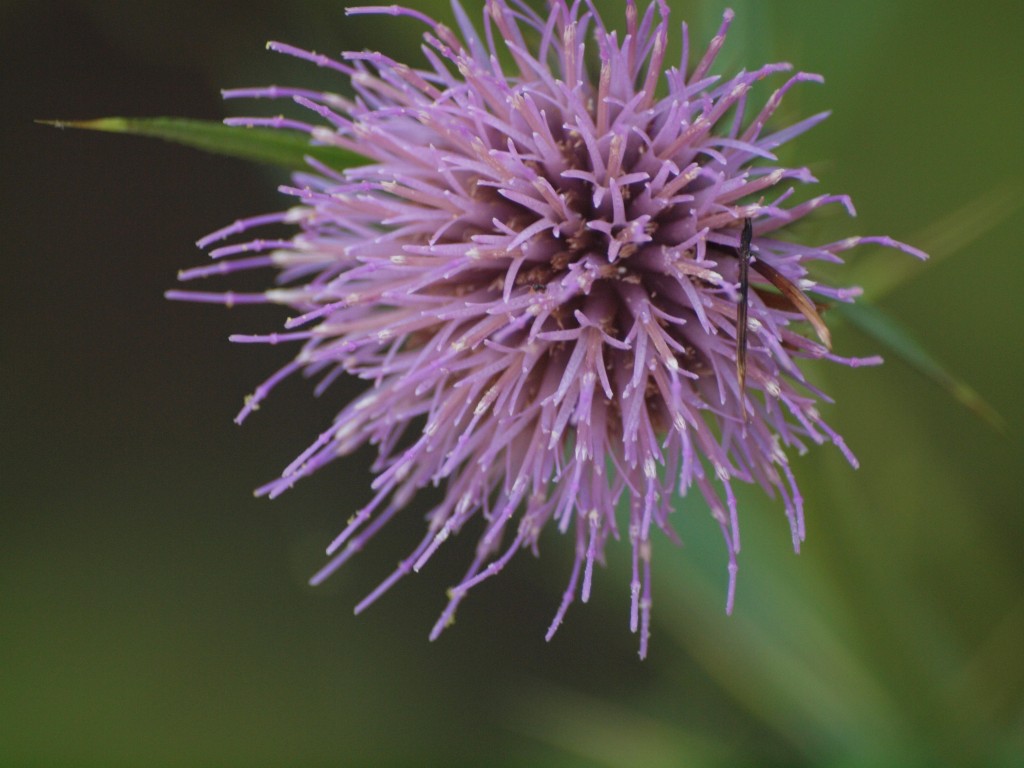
788 292
741 313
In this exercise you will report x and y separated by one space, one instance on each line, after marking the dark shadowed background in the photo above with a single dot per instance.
153 613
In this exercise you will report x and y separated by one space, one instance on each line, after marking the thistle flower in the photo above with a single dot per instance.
566 291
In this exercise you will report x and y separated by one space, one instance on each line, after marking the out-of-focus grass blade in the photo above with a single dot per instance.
879 274
285 149
874 322
600 732
789 656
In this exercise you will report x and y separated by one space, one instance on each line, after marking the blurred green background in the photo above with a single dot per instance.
153 613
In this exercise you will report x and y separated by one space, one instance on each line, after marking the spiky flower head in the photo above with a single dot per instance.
542 273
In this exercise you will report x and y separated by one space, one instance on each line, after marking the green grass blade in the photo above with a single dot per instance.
948 236
879 326
285 149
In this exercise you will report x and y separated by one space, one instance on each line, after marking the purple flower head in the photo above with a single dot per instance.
539 272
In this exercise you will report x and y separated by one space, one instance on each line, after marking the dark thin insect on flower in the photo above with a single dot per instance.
741 314
536 273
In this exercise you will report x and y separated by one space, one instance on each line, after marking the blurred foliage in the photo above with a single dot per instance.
152 613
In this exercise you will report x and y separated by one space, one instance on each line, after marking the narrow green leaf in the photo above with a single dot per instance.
950 235
286 149
879 326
